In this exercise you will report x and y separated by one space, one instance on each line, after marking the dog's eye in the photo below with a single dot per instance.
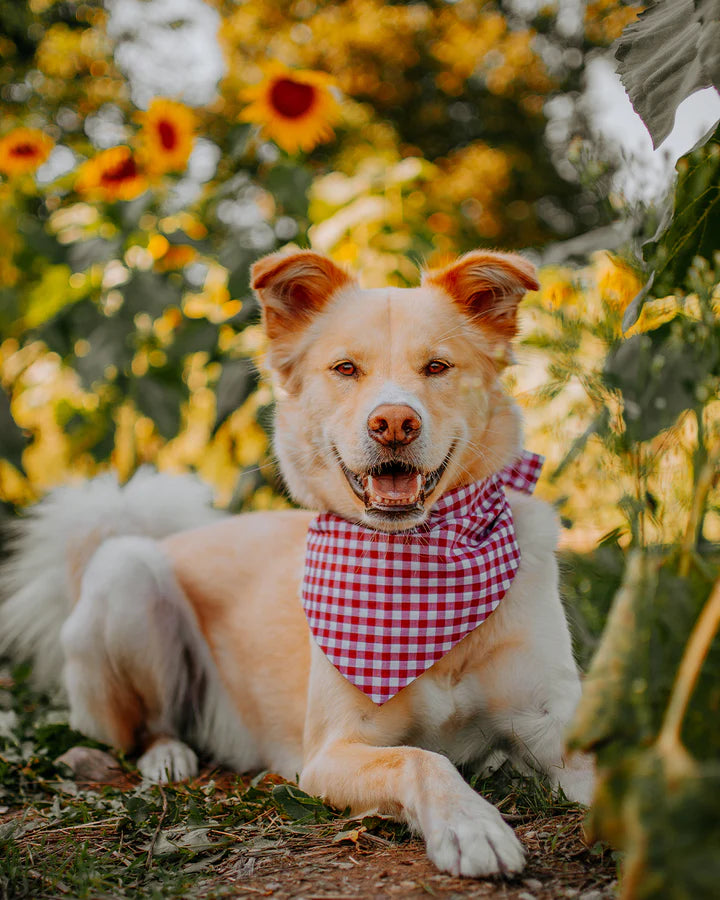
436 367
345 368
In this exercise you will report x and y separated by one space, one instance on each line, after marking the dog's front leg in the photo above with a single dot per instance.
346 764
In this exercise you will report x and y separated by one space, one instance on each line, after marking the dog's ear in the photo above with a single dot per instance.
488 287
292 287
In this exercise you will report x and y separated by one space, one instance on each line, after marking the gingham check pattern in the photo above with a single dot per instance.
385 607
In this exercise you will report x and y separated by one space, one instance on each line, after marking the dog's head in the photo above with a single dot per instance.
389 397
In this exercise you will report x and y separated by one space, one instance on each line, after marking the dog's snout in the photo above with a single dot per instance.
394 425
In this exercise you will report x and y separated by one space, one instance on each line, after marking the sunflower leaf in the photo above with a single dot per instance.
671 51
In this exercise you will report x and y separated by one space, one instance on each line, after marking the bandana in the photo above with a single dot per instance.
385 607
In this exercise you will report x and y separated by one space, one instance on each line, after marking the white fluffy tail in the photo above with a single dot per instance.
54 543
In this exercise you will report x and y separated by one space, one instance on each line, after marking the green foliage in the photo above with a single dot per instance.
663 373
689 232
130 839
653 801
671 51
650 706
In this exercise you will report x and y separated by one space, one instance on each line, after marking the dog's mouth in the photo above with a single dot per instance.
394 487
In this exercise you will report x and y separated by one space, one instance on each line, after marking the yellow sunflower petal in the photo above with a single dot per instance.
295 108
114 174
24 150
166 137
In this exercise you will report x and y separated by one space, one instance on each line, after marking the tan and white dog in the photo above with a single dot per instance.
176 626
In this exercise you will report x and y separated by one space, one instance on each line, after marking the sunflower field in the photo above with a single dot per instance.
151 150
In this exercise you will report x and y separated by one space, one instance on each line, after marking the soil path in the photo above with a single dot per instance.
560 865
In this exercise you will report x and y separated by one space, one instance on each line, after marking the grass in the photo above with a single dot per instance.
129 839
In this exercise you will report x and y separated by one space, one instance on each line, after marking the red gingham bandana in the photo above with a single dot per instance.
385 607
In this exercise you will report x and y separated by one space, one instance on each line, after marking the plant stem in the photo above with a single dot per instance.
698 645
703 484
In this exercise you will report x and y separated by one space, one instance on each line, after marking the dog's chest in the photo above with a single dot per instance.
450 717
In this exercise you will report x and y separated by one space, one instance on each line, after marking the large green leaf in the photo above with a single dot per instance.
695 226
668 53
691 231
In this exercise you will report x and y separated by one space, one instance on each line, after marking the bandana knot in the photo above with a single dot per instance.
385 607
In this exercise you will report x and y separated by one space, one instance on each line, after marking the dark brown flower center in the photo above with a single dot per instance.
168 135
124 170
292 99
24 150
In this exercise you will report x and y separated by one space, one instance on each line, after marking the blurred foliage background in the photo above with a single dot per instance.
150 150
128 331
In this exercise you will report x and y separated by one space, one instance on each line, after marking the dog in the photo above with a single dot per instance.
178 629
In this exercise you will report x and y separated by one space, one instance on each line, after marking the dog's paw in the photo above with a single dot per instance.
168 760
473 840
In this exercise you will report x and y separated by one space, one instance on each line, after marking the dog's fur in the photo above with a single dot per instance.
199 639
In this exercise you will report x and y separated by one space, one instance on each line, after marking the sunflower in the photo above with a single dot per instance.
166 136
113 174
23 150
295 108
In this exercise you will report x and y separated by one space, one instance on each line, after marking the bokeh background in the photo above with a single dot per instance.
169 144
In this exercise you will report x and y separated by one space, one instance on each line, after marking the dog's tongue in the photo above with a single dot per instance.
402 488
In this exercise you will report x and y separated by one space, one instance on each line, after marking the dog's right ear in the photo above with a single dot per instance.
292 287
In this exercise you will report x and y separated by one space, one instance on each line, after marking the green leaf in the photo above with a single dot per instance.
300 806
695 225
667 824
607 707
50 295
12 438
668 53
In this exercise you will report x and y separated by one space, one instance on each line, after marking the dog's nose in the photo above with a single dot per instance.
392 425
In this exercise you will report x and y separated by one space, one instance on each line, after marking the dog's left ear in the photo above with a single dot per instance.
293 286
488 287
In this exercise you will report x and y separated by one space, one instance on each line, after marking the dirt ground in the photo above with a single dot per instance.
272 856
560 865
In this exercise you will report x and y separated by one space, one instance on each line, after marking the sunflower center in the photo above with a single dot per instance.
292 99
121 172
24 150
168 135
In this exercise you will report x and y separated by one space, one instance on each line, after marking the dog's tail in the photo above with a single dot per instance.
53 543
